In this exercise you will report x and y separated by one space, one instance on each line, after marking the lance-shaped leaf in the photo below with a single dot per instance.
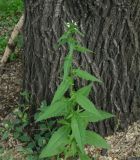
57 143
72 150
85 75
67 65
63 39
85 90
86 104
78 131
93 117
96 140
62 88
79 48
84 157
56 109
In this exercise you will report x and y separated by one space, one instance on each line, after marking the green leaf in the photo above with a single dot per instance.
12 57
83 156
85 90
78 131
67 65
63 39
92 117
82 49
56 109
25 150
72 150
96 140
62 88
25 138
85 103
26 95
77 31
57 143
85 75
5 135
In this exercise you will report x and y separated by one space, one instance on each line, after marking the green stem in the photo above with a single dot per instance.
71 49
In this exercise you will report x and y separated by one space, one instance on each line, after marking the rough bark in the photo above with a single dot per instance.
111 29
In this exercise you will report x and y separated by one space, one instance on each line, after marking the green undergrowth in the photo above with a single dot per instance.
10 8
10 12
31 137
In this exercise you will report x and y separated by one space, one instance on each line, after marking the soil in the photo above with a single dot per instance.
10 85
124 145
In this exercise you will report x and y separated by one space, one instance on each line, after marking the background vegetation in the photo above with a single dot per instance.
10 11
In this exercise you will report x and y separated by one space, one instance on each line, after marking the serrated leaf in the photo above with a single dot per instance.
67 65
82 49
62 88
96 140
84 157
72 150
85 75
57 143
56 109
92 117
85 90
86 104
78 131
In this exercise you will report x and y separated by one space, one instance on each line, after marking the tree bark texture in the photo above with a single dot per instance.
112 31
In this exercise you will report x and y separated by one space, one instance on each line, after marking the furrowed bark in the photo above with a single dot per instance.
112 31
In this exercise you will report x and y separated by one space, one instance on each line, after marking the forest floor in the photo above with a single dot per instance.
124 145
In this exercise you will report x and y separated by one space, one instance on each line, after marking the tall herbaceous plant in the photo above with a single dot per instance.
75 110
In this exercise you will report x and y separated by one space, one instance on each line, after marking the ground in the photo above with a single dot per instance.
124 145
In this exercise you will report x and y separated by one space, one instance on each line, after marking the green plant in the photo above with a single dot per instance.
73 107
10 12
12 57
32 136
9 7
3 43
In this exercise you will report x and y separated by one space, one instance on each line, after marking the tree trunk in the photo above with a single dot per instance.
112 31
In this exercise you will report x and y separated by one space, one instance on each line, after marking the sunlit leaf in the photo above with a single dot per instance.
84 156
85 90
62 88
56 109
85 75
86 104
56 143
78 131
96 140
93 117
